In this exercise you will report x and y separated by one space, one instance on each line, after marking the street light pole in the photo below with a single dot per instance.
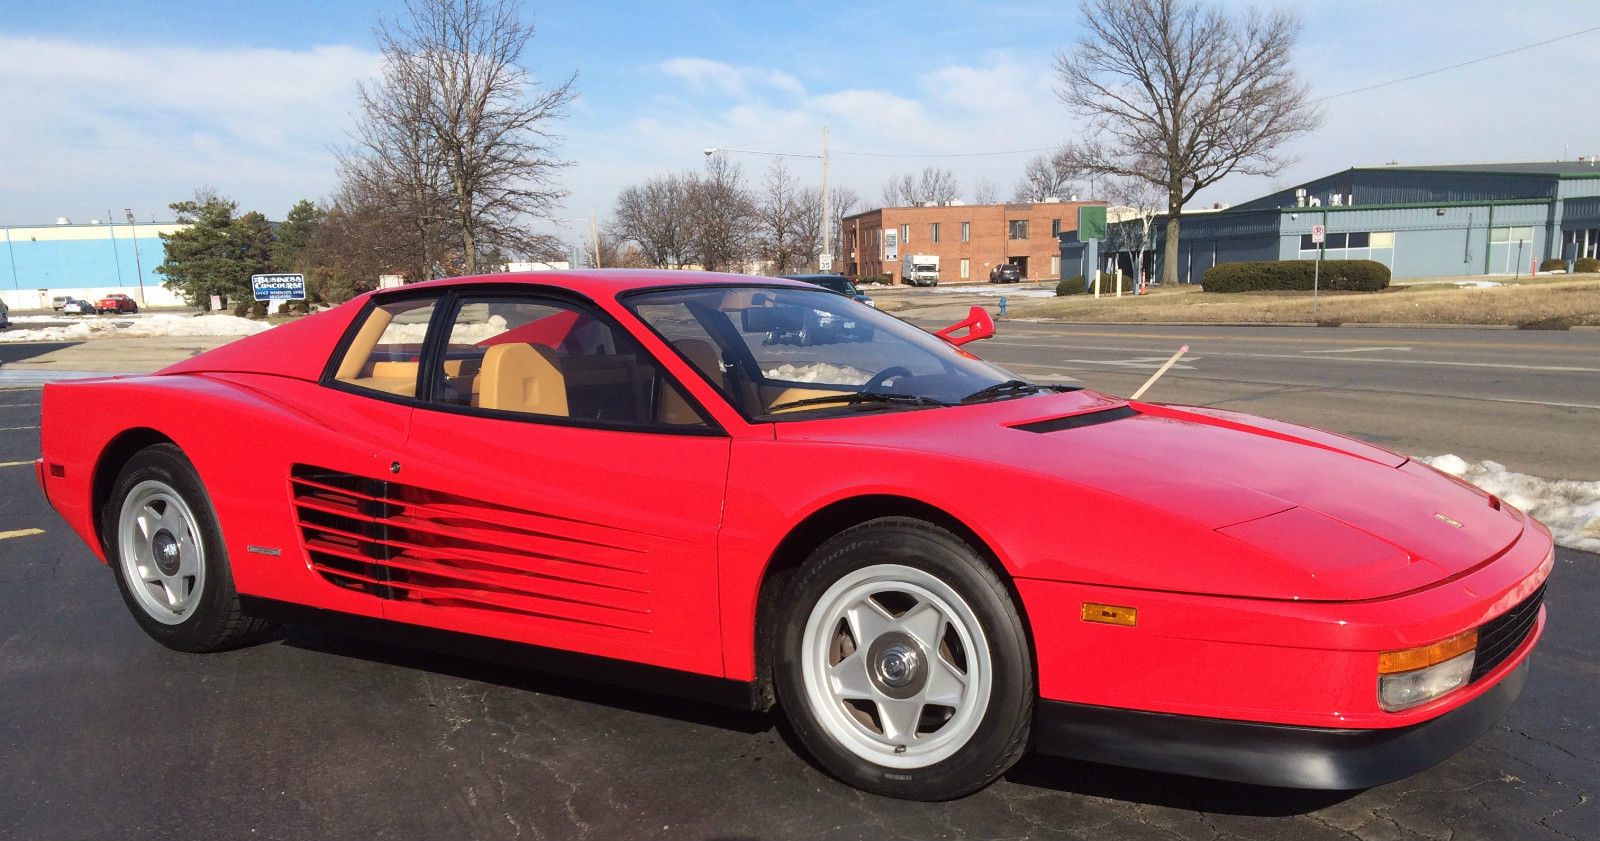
825 260
133 233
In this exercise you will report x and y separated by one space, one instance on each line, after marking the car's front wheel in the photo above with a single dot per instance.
169 558
902 663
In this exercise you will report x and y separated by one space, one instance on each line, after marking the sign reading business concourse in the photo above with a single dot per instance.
278 287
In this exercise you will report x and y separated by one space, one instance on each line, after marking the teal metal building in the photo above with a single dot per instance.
1420 221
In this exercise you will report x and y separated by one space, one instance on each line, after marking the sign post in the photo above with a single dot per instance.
1319 235
1091 230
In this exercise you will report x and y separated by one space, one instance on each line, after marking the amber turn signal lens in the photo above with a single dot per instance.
1411 659
1110 614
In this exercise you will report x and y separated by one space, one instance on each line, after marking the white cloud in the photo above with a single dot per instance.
93 126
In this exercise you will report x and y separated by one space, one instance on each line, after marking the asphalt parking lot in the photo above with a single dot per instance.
105 733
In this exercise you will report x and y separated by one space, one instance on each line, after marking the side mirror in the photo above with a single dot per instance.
978 325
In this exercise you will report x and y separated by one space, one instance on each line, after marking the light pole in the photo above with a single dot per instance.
133 233
825 259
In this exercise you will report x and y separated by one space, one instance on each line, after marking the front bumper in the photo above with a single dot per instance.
1282 755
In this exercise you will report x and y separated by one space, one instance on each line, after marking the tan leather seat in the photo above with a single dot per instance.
522 378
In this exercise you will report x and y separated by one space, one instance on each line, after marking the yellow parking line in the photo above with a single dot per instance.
16 428
20 533
14 463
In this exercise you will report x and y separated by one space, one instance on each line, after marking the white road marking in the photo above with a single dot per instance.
1355 349
5 535
16 428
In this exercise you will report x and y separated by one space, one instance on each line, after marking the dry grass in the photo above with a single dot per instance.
1557 302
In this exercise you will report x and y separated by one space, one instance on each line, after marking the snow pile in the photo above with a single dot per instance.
818 372
148 326
1570 508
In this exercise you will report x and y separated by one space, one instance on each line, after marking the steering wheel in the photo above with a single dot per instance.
881 378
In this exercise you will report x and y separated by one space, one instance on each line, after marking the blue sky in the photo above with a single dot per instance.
114 105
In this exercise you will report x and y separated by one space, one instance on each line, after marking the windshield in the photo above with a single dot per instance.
778 353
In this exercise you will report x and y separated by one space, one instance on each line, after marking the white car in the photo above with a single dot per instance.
77 307
5 315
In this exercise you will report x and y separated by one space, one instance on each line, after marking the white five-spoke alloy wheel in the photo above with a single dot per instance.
896 666
162 555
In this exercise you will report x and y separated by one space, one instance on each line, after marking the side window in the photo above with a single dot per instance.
383 355
549 358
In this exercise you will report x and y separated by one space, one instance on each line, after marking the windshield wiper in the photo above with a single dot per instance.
1013 388
857 398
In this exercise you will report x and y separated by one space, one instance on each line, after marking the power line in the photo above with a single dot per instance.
945 155
1458 66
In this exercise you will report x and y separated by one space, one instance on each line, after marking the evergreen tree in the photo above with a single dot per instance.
294 234
218 253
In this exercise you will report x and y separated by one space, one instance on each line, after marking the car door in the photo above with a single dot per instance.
557 488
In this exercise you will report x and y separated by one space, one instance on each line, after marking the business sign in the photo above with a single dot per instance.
891 246
278 287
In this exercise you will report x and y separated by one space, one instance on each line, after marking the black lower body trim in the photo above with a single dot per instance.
730 693
1267 754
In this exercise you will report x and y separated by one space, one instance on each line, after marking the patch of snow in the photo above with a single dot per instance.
148 326
1571 509
818 372
1476 284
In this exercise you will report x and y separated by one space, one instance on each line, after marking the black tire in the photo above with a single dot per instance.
167 552
977 661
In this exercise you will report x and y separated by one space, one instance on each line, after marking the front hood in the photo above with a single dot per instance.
1273 510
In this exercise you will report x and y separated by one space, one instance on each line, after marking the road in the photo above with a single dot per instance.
105 733
1527 399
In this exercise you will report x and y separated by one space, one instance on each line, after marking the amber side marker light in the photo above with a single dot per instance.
1110 614
1415 676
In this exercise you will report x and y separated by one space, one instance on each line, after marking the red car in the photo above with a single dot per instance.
762 493
116 302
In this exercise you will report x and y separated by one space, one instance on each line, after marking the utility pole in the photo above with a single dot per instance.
137 266
825 261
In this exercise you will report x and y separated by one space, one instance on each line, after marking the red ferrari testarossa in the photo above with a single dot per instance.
762 493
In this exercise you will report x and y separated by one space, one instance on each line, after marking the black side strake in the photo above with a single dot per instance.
1077 421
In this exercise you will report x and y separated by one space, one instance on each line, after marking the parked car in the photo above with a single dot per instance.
1005 273
835 283
116 302
5 315
78 307
616 475
60 301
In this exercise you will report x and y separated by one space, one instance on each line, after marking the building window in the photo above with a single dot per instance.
1381 239
1055 266
1018 229
1355 240
966 268
905 234
933 232
1522 234
1055 227
966 231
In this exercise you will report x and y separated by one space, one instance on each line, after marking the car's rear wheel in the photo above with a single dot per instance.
169 558
902 663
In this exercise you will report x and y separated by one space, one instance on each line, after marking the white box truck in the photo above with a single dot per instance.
920 269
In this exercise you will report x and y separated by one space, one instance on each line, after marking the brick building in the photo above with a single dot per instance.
969 239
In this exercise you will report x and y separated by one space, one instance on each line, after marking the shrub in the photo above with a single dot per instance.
1070 286
1554 264
294 308
1586 265
1297 275
242 309
875 279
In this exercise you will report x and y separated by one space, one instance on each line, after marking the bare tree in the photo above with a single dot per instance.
845 201
779 220
454 103
898 190
1043 177
657 216
937 185
1135 203
1182 94
985 192
721 212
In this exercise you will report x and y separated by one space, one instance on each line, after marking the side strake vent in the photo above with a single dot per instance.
405 543
1079 420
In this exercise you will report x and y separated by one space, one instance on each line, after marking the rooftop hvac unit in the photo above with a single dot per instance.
1336 200
1300 197
62 220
